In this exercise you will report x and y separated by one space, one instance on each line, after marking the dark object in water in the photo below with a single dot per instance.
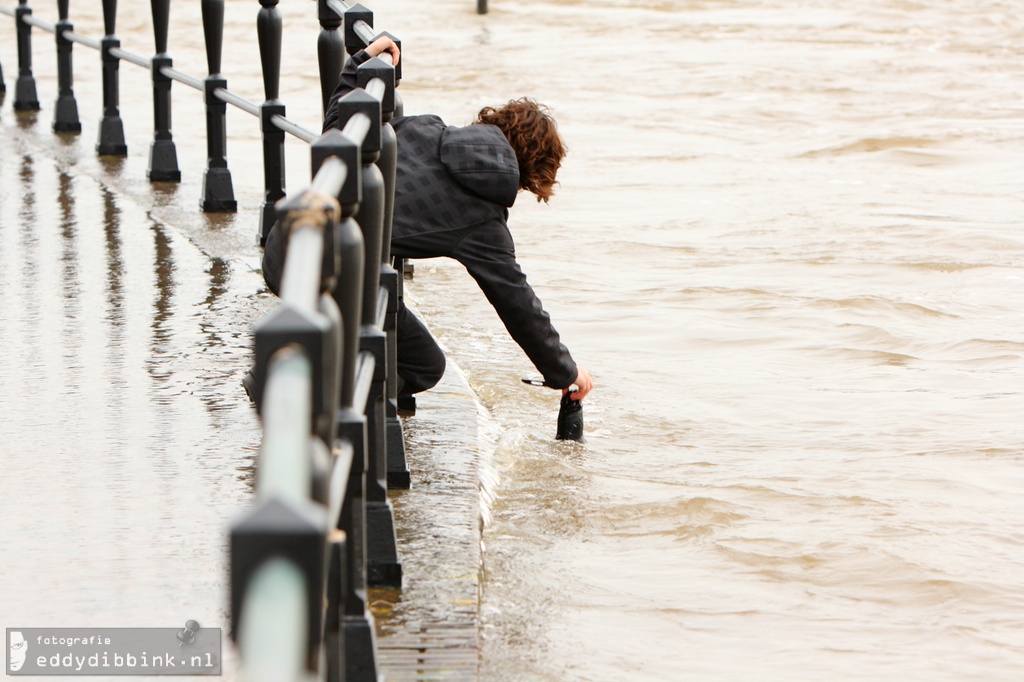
570 414
570 419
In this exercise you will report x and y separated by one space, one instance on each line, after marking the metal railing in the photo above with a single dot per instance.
321 528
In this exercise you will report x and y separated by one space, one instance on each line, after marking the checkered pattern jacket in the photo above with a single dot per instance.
453 189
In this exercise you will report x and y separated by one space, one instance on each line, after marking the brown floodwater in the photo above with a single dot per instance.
787 244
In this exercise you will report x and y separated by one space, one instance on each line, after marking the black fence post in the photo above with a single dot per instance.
268 29
111 137
163 157
398 475
348 288
65 112
285 326
481 6
334 631
218 192
330 51
371 207
326 422
353 15
383 565
291 529
330 482
25 98
359 657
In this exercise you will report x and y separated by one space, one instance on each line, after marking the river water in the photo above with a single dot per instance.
787 244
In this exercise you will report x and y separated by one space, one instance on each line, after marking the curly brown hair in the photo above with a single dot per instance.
533 134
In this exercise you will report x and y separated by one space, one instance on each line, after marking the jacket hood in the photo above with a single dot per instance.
480 159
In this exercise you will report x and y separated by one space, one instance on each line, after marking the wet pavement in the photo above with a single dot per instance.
429 629
129 443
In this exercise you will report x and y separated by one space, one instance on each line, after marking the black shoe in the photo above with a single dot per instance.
406 405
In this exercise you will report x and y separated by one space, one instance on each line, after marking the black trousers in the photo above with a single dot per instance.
420 360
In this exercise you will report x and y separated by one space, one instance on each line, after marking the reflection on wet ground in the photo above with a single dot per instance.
128 441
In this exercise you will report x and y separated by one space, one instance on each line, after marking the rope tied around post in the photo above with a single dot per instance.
306 220
319 213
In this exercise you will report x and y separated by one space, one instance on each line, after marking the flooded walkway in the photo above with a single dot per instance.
129 444
128 441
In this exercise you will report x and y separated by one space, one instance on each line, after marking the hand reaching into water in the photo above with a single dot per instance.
583 382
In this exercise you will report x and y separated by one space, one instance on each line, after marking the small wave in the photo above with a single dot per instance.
880 304
943 267
877 357
974 353
683 518
870 145
987 351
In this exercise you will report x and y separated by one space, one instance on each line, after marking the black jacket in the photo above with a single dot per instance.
452 193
